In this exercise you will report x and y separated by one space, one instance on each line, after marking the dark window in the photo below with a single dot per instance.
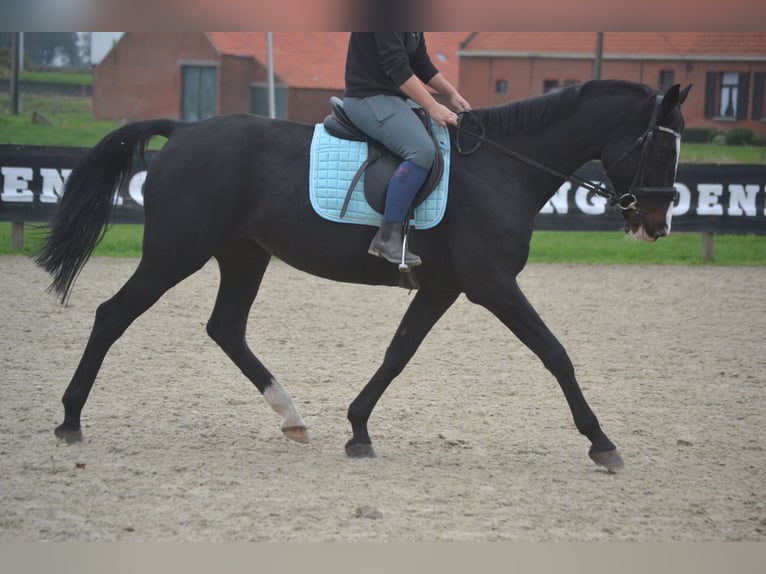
198 99
667 79
259 100
729 95
550 86
501 86
726 95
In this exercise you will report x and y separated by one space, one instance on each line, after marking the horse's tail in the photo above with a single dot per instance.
87 203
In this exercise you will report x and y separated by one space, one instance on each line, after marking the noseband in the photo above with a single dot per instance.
627 201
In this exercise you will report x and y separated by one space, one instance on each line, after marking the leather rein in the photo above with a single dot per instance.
627 201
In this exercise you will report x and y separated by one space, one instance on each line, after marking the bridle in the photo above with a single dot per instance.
628 201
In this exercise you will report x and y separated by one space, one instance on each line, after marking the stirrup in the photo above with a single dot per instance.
408 279
403 263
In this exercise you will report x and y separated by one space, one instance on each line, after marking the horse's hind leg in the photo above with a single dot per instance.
242 266
113 317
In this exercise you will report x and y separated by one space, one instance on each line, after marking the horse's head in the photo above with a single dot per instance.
642 171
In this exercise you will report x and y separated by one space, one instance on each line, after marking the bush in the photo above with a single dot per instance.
759 139
699 135
739 136
719 139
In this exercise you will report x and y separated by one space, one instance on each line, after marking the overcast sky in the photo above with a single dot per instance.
101 43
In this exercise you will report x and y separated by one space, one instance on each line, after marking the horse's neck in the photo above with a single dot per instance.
562 146
574 141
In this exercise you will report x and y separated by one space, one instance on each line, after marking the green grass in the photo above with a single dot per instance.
709 153
121 240
607 247
72 122
73 77
596 247
84 78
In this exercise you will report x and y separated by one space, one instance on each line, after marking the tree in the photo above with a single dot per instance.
52 48
84 42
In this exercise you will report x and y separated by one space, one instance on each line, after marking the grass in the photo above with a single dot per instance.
587 247
83 78
709 153
607 247
72 122
121 240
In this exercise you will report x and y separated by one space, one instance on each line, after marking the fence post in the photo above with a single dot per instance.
707 245
17 235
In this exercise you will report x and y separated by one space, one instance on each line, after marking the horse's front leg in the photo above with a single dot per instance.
426 309
515 311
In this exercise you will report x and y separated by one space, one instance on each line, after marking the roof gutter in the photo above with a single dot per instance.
591 55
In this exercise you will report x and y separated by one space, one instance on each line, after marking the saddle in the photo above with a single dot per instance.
381 163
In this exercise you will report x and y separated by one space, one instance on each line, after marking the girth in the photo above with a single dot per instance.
381 163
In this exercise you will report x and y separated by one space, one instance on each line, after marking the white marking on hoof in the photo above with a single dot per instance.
298 434
281 401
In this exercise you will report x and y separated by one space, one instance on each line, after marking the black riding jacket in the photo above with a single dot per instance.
380 62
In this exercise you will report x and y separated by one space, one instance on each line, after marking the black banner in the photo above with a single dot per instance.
712 198
32 179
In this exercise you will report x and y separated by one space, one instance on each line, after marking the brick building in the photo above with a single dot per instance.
726 69
193 75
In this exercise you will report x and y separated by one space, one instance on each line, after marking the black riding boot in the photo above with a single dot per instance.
387 244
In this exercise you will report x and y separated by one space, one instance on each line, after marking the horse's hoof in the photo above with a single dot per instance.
610 459
357 450
67 434
298 434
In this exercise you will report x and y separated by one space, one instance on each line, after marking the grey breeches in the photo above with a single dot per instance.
391 121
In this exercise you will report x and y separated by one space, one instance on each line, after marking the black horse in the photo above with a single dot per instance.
234 187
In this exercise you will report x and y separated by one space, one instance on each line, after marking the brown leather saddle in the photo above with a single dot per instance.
380 163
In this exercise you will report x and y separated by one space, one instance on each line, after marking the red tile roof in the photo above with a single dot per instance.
679 44
317 59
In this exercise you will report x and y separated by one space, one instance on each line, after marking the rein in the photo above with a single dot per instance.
626 201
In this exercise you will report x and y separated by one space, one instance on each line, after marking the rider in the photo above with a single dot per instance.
383 71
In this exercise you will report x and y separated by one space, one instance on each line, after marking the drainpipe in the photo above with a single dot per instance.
270 58
599 55
15 44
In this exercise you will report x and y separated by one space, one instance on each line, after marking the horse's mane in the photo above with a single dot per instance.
532 114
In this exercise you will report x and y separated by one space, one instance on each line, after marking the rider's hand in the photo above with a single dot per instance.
459 103
442 115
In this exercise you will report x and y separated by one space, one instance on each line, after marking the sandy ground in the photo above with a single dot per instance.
474 439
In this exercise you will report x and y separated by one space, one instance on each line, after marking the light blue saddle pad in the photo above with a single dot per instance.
334 163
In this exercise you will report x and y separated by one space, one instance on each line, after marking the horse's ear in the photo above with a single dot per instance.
683 94
674 97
